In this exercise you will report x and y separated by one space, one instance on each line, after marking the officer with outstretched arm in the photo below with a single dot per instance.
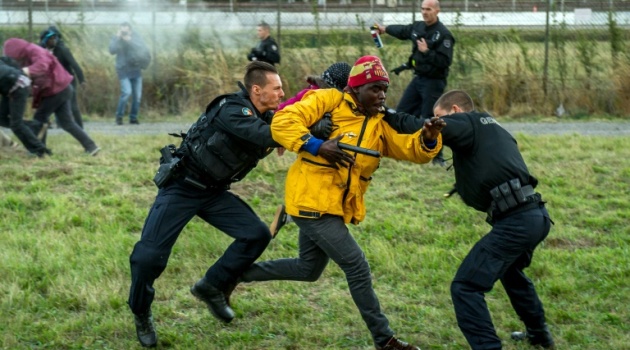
492 177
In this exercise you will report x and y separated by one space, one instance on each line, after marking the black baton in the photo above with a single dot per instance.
357 149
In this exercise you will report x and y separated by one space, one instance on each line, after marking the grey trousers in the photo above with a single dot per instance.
320 240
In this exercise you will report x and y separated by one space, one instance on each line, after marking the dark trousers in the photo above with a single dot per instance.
502 254
12 110
60 104
321 240
420 97
175 205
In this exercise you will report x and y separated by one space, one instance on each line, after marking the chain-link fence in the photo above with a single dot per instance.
518 57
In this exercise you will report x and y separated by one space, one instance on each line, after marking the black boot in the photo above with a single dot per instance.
229 290
536 337
214 299
145 330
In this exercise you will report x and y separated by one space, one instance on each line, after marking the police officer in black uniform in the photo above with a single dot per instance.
15 90
267 49
431 56
225 143
491 176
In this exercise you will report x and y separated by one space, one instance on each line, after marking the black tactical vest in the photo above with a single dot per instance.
214 154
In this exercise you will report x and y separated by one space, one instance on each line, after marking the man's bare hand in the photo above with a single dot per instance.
330 151
381 28
432 128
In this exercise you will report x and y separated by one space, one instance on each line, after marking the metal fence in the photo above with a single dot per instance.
557 46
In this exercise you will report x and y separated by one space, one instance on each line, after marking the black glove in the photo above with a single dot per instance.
388 111
400 68
323 128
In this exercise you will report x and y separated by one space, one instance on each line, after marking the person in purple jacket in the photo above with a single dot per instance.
51 88
335 76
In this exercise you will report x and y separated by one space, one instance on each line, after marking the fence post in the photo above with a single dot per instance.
546 64
278 18
30 20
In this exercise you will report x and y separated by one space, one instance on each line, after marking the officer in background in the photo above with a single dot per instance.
225 143
492 177
267 49
431 56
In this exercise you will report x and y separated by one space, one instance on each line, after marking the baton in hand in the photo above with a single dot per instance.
361 150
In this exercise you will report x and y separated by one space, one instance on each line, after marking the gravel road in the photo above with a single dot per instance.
581 128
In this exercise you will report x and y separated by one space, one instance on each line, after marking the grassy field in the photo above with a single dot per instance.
69 223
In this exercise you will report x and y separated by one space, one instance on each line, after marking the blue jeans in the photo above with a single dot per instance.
129 87
321 240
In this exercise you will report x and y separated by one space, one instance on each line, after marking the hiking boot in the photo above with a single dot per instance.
536 337
397 344
279 220
119 121
134 121
214 299
145 330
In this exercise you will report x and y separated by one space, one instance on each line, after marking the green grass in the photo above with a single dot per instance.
69 223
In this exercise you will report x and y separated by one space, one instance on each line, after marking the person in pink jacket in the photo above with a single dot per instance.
335 76
51 88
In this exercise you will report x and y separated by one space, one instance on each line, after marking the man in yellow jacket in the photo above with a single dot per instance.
325 186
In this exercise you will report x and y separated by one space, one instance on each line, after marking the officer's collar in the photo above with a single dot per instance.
243 90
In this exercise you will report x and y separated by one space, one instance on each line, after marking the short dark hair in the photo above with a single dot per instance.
126 24
455 97
256 74
264 25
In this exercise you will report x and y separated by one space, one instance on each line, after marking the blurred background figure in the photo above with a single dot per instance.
50 39
132 56
51 87
267 49
15 90
335 77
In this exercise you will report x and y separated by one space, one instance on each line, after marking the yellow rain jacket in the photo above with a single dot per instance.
314 187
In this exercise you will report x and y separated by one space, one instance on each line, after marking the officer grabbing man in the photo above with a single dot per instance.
225 144
492 177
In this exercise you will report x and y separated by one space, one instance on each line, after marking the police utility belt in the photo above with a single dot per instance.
510 197
173 167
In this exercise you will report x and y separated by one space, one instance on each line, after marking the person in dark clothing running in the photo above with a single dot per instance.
52 89
492 177
225 143
267 49
15 90
431 56
50 39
